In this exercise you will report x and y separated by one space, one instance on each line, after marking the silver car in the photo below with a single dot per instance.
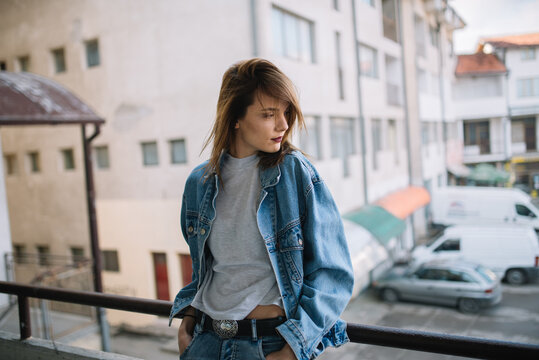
466 285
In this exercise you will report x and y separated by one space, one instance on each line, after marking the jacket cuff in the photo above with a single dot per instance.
294 337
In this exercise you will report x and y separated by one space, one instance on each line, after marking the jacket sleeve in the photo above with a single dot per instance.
328 275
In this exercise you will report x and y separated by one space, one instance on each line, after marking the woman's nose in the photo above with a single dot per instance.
281 123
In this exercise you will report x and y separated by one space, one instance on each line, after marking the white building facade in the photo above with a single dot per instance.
153 71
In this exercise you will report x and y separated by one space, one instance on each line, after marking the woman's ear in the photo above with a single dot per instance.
237 126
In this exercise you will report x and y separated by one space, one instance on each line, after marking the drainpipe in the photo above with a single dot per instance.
360 106
406 112
442 93
94 241
254 28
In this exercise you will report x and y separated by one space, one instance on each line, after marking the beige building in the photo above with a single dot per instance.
153 71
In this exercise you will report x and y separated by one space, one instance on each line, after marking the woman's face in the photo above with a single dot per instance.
262 128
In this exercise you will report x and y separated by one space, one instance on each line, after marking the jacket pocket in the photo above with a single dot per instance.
291 246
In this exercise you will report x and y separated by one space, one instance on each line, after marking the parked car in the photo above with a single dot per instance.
470 205
511 251
468 286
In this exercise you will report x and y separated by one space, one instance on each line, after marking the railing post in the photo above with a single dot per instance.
24 317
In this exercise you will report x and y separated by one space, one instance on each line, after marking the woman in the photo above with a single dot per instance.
271 268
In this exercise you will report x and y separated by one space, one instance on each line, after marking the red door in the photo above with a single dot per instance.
187 268
161 276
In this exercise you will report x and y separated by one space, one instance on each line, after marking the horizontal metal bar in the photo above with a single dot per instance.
118 302
478 348
367 334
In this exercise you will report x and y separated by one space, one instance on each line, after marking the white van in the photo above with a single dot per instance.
512 252
455 205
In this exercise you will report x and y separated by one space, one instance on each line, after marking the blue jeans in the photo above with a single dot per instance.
207 345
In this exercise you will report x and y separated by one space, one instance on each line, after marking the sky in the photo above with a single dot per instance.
487 18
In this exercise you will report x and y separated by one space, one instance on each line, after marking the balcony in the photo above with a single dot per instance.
26 347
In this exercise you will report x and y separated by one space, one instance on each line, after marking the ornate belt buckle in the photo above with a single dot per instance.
226 329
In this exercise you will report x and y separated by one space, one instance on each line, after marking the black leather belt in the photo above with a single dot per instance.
227 329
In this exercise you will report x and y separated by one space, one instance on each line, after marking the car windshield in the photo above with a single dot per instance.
433 239
486 274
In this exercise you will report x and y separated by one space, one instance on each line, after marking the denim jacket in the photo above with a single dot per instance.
304 236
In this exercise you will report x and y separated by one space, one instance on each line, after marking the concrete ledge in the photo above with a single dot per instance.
11 348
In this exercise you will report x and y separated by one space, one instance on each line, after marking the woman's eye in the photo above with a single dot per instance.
268 115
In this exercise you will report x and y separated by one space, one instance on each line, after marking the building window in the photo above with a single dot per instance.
3 66
523 135
68 159
102 157
110 260
309 138
336 4
33 162
19 256
292 36
23 63
77 254
527 53
92 53
178 151
450 48
393 81
149 153
528 87
419 34
392 139
433 35
343 141
58 56
425 138
376 130
43 252
368 61
10 161
477 137
389 19
368 2
422 82
338 56
435 83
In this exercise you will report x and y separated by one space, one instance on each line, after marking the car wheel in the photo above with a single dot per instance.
470 306
515 277
390 295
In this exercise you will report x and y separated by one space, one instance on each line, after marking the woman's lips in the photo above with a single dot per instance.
278 139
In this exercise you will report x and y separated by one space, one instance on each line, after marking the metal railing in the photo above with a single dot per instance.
366 334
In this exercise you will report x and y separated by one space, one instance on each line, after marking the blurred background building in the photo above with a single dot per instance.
391 114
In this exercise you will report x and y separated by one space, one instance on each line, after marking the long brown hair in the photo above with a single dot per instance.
241 82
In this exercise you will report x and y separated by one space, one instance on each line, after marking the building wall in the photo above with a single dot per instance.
158 80
5 236
521 69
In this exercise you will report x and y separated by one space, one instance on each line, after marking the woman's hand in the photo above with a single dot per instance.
285 353
185 332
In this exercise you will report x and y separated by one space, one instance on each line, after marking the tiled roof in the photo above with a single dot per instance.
479 63
513 40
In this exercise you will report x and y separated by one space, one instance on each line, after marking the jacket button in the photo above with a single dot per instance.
190 229
203 231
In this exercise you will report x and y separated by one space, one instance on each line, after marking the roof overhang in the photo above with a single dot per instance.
404 202
30 99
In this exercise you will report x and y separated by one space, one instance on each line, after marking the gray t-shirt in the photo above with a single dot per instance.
241 276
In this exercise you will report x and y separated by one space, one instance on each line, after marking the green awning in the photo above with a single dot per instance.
378 221
486 173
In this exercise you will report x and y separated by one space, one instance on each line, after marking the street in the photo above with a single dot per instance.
516 319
